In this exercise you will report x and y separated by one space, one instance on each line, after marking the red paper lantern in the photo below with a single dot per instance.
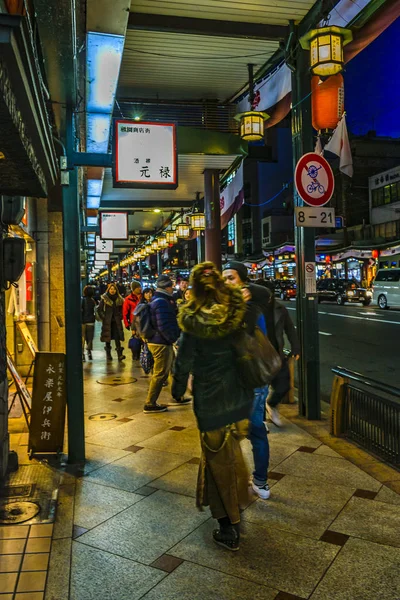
327 101
375 253
328 259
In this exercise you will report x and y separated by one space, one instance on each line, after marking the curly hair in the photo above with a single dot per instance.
207 287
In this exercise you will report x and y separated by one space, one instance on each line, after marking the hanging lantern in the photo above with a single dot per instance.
162 242
154 245
171 236
327 102
326 49
252 125
183 231
198 221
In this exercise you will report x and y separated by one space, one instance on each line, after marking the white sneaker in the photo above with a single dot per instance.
263 492
274 416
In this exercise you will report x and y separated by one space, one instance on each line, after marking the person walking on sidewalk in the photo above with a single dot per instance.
166 333
88 320
280 385
210 320
128 309
110 312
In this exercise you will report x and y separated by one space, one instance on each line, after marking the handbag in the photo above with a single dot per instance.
257 360
135 344
146 359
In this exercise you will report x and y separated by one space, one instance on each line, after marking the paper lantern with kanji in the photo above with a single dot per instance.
327 102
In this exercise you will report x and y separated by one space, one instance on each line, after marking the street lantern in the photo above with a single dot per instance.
171 236
198 221
251 122
154 245
162 242
326 49
148 248
183 231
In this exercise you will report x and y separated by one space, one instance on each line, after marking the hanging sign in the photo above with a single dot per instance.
314 179
145 155
46 432
101 257
104 245
114 225
308 216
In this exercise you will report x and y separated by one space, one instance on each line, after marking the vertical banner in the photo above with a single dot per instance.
48 404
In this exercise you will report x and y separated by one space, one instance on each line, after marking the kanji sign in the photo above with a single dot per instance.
145 155
104 245
46 433
314 179
114 225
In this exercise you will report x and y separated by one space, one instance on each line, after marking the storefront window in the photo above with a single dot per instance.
386 193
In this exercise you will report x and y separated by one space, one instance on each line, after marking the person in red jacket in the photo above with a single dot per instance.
130 303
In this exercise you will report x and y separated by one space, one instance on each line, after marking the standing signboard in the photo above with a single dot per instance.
21 389
145 155
26 334
314 179
46 434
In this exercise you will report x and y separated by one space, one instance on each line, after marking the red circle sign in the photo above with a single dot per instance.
310 268
314 179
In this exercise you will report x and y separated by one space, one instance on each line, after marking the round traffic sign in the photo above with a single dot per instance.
314 179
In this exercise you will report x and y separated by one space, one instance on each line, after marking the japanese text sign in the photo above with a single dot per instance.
46 433
104 245
145 155
114 225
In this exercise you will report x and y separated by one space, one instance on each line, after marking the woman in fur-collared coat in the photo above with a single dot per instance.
209 321
110 312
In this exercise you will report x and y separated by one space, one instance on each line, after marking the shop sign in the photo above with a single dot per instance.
104 245
145 155
385 178
28 339
314 179
114 225
358 254
46 433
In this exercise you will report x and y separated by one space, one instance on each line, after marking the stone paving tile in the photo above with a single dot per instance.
300 506
57 587
96 503
111 577
176 442
7 582
193 582
99 456
65 513
136 470
14 532
387 495
182 480
10 563
32 582
362 571
332 470
267 556
326 451
12 546
375 521
148 529
291 434
129 434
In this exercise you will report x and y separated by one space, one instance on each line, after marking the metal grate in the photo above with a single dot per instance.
371 415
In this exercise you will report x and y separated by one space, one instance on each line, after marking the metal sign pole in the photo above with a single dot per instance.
307 304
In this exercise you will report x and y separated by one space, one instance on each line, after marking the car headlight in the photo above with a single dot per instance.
349 293
368 293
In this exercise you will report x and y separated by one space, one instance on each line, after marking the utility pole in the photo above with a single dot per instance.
307 304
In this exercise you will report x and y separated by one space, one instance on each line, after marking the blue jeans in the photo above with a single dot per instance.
258 437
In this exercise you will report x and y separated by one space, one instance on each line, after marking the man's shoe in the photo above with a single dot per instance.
180 402
273 414
152 409
262 491
90 357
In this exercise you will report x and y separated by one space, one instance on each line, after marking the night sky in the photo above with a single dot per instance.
372 86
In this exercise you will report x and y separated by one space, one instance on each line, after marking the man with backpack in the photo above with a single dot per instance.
156 322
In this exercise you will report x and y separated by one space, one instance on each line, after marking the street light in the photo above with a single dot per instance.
162 241
252 121
171 237
198 221
183 231
326 49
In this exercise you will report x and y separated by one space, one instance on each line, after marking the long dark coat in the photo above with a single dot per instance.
206 350
110 311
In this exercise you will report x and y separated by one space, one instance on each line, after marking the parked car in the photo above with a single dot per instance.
342 291
386 288
285 289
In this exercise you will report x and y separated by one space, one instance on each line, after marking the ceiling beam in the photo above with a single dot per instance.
163 205
190 25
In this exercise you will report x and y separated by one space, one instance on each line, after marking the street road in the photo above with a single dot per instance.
362 339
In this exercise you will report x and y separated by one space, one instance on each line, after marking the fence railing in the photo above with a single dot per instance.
368 412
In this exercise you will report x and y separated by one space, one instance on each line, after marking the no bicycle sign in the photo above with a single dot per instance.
314 179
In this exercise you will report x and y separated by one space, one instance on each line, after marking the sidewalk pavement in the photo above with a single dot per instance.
127 527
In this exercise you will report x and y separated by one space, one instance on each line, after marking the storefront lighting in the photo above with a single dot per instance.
171 236
326 49
183 231
162 242
198 221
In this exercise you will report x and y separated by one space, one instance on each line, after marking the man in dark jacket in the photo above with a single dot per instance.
163 317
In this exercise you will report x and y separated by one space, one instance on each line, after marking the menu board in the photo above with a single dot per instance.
48 403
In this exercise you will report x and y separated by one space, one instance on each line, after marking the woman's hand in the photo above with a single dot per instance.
246 294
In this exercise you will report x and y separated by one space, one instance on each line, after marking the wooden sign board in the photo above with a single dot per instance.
46 433
22 391
26 334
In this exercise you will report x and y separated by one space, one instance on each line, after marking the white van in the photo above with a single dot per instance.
387 288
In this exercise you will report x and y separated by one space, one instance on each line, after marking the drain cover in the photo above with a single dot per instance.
115 380
16 491
18 512
102 417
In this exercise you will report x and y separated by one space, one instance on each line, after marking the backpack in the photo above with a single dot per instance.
143 322
257 361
